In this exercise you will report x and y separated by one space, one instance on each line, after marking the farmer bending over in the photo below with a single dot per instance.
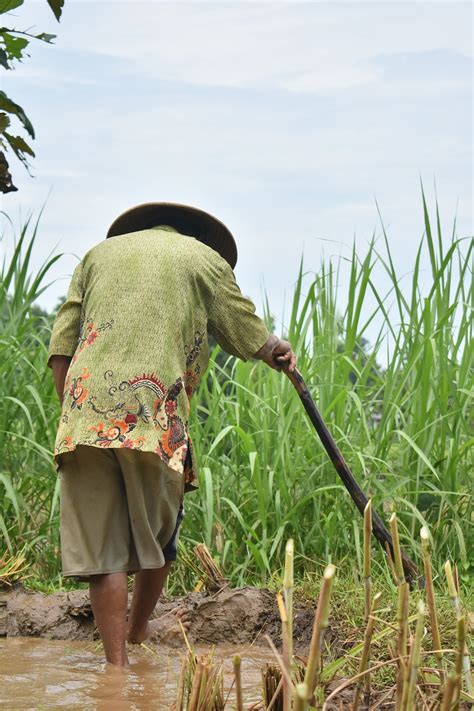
128 349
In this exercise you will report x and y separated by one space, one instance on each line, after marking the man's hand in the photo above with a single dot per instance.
276 353
60 365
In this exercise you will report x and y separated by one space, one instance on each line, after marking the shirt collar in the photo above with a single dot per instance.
166 228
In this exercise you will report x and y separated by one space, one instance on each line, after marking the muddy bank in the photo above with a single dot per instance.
240 616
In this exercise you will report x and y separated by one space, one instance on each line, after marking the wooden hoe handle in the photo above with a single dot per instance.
357 495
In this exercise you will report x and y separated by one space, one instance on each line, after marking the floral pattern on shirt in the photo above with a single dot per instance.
174 444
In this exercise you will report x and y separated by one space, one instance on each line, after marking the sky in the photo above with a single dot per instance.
290 121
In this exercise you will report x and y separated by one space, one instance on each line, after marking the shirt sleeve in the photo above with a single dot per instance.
232 319
65 333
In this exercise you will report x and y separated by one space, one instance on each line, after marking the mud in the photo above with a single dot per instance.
240 616
64 668
39 674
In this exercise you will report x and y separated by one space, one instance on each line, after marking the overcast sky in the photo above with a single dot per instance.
286 120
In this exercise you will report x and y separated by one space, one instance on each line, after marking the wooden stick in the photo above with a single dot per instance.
335 455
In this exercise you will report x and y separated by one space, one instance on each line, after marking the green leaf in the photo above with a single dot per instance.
4 59
44 37
4 122
19 146
6 104
14 46
9 5
57 7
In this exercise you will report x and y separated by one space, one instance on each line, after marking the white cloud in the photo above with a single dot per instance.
300 46
286 120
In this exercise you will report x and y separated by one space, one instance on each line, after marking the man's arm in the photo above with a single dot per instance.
237 328
59 365
65 332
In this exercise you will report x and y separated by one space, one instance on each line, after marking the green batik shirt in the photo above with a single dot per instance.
135 322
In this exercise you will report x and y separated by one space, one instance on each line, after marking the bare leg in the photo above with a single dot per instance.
109 598
146 591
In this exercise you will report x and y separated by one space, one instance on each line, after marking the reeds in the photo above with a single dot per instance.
321 618
236 662
200 686
453 591
12 568
368 559
213 577
272 682
365 658
430 595
413 665
283 688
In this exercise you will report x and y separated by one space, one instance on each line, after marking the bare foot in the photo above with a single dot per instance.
165 628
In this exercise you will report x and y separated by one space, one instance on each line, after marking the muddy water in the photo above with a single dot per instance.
41 674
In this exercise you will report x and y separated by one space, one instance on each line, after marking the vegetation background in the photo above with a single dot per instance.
405 428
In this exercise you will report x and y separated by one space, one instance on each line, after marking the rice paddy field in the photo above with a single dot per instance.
400 407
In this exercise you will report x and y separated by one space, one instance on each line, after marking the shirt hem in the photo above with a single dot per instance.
188 486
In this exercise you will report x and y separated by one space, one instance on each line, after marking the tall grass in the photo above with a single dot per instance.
28 409
405 428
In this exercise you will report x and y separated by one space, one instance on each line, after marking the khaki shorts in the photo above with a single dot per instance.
120 511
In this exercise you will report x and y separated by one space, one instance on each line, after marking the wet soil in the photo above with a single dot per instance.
63 666
240 616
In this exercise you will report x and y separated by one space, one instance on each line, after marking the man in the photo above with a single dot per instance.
127 351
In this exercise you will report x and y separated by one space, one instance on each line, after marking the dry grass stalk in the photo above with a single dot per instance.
178 704
365 659
451 689
200 685
288 587
430 596
313 668
409 689
272 681
397 554
402 622
12 567
453 591
300 697
459 664
214 577
236 662
367 558
285 654
390 562
452 588
195 688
